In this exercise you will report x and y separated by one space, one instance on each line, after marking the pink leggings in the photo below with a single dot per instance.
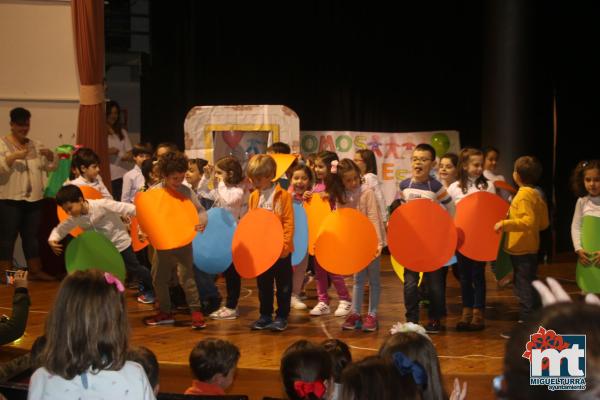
322 284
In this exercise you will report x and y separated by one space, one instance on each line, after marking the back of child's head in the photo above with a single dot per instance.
68 194
452 157
464 159
261 166
147 359
142 149
426 147
529 170
279 148
172 162
232 167
490 149
84 157
87 327
340 356
20 116
419 348
369 159
147 167
306 371
213 356
578 176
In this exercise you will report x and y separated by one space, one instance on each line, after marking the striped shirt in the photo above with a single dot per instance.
431 189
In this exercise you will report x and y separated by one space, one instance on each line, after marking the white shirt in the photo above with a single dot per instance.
118 167
230 198
103 216
133 181
586 205
97 184
130 382
265 199
372 182
457 193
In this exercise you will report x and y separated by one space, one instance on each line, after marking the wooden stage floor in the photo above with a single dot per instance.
475 357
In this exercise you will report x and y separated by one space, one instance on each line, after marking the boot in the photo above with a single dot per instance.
477 324
35 271
465 320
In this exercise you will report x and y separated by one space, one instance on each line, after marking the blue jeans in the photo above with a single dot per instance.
472 281
372 271
435 284
137 270
525 271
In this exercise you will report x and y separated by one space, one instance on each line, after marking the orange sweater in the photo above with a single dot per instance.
282 207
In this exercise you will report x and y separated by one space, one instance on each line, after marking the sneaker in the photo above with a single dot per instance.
343 308
146 298
320 309
225 313
370 324
198 320
263 322
160 318
434 326
280 324
354 321
297 304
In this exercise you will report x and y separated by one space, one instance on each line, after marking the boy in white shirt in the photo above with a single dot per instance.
87 164
134 180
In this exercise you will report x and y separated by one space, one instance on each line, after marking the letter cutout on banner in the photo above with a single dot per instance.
347 242
588 277
89 193
300 234
421 234
212 248
283 161
317 210
167 218
257 243
476 215
92 250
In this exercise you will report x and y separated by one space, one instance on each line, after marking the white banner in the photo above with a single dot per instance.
392 150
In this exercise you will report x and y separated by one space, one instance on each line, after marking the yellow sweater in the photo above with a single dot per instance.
527 216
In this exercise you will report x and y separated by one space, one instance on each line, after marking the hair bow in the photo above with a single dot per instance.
334 165
303 388
113 280
407 366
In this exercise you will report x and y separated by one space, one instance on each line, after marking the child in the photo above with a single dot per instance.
326 185
103 216
362 199
172 167
340 358
282 148
527 216
491 156
87 164
268 196
422 186
302 181
133 180
365 159
213 363
586 185
150 172
193 176
472 273
164 148
229 195
306 372
147 359
86 356
447 171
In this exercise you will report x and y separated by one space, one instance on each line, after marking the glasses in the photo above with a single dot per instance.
422 159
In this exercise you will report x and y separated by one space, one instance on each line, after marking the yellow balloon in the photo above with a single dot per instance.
399 270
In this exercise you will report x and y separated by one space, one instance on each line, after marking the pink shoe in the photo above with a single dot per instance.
354 321
370 324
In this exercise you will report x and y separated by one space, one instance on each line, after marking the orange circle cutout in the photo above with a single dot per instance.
89 193
257 243
347 242
136 243
421 235
505 186
317 210
476 215
167 218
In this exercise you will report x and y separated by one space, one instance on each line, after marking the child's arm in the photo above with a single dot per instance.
127 185
584 257
118 207
203 190
287 221
373 183
524 218
446 200
374 215
231 196
59 232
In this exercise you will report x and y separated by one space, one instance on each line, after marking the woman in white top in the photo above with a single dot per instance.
24 164
119 147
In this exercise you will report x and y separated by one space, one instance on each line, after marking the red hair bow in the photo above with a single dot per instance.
304 388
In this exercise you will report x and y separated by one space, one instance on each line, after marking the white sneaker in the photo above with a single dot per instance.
320 309
224 313
343 308
297 304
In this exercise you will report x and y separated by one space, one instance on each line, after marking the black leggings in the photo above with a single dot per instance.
23 218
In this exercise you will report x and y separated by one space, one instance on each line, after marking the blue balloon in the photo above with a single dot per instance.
212 248
300 234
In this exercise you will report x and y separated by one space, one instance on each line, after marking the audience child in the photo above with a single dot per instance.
306 372
12 328
147 359
213 363
134 180
87 164
341 358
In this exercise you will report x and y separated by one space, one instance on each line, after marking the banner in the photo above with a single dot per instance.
392 150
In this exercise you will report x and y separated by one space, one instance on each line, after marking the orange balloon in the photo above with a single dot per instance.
421 235
317 210
347 242
505 186
475 218
283 161
136 243
89 193
257 243
168 218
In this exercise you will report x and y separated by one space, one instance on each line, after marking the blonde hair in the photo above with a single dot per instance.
261 166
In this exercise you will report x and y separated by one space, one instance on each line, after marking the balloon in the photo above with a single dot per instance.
232 138
347 242
440 143
212 248
92 250
89 193
300 234
317 210
283 161
588 277
399 270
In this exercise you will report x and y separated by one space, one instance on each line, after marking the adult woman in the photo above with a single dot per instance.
23 166
119 147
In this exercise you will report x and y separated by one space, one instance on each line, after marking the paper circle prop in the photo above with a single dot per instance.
283 161
475 218
505 186
347 242
588 277
421 234
167 218
89 193
92 250
212 248
399 270
136 243
257 243
300 234
317 210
